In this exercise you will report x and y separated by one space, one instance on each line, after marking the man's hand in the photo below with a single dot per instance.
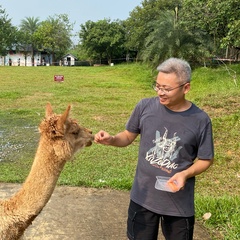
103 137
178 180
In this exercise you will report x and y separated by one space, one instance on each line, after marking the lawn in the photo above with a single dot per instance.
103 98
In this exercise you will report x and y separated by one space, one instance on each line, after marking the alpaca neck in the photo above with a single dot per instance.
40 183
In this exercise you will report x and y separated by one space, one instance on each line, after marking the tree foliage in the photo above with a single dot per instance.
8 33
103 39
80 52
218 18
233 36
154 30
169 39
28 27
54 35
202 28
138 25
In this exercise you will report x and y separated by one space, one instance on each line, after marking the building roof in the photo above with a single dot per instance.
69 55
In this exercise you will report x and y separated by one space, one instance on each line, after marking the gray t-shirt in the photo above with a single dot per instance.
170 142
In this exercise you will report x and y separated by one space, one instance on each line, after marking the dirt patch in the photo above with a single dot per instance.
75 213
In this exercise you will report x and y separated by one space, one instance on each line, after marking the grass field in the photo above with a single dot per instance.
103 98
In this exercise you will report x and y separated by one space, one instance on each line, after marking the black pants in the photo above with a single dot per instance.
143 224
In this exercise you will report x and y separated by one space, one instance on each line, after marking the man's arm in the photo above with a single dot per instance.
197 168
121 139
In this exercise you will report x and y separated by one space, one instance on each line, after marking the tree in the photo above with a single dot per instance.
79 51
28 27
103 39
138 25
8 33
218 18
54 35
168 39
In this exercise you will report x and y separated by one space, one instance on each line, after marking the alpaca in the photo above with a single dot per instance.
60 138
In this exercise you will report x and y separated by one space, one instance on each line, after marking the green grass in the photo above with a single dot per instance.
224 222
103 98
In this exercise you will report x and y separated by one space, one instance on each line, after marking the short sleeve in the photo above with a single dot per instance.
133 124
206 146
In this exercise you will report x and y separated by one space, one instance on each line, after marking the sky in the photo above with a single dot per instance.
78 11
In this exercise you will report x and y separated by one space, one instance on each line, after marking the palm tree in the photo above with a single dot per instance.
29 26
170 39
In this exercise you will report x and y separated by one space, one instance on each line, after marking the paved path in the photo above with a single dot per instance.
75 213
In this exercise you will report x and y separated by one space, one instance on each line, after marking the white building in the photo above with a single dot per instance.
23 58
68 60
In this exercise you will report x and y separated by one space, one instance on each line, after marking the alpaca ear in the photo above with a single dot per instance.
49 110
64 117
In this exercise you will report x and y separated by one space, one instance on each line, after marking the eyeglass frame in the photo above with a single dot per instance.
155 88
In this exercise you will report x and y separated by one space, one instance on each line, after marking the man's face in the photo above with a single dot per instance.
171 92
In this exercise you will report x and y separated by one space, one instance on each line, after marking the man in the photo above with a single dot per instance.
176 145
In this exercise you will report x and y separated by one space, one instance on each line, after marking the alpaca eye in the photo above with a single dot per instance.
75 133
53 132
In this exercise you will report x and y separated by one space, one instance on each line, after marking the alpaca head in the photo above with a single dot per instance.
64 134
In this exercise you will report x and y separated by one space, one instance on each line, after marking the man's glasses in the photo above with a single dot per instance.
157 88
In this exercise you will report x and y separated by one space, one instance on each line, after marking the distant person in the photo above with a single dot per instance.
10 62
176 144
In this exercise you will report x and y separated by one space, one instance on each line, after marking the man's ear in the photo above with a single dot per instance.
187 87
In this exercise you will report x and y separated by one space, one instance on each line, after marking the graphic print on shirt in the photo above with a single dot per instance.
164 152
